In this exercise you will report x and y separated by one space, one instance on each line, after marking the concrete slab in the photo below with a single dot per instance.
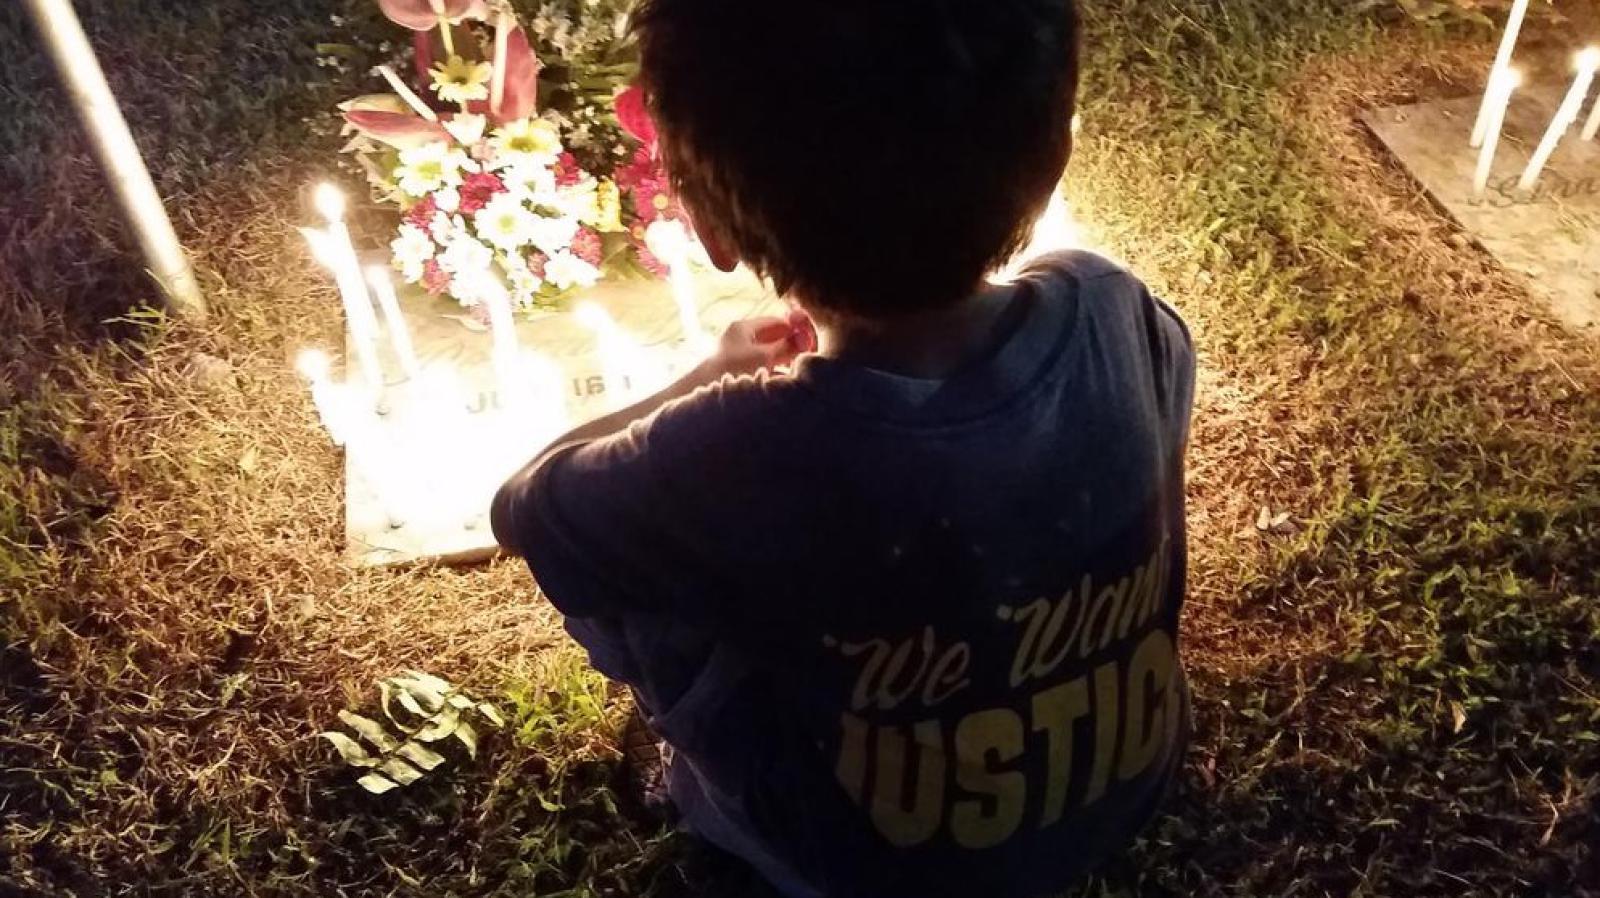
1551 235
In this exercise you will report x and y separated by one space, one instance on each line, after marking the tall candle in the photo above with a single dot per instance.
399 332
503 328
407 94
340 256
1506 84
315 366
670 242
619 356
1566 116
1502 61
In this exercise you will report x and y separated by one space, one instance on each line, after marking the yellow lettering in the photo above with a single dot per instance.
1107 607
907 826
1105 730
1055 711
885 668
1044 634
997 734
949 675
1150 684
852 767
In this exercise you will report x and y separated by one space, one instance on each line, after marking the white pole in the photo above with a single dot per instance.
80 71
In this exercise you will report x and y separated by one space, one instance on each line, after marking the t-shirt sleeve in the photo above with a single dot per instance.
1172 351
609 526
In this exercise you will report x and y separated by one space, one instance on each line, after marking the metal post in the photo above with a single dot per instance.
80 71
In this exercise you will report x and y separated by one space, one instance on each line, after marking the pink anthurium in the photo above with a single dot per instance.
423 15
386 118
521 78
634 117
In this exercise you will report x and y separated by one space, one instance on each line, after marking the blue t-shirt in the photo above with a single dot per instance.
908 637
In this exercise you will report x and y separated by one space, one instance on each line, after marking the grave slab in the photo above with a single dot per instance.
1551 235
420 476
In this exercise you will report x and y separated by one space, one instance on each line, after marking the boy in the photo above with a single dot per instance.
907 611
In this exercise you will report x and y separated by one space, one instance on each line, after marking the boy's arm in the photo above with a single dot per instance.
575 509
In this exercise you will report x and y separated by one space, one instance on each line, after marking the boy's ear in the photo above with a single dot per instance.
725 259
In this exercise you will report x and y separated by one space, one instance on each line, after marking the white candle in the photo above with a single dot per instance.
497 81
315 366
1566 116
503 327
669 241
399 333
1502 61
339 255
619 356
407 94
1505 84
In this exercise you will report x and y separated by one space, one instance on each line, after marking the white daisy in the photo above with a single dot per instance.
505 222
565 270
427 168
552 235
412 250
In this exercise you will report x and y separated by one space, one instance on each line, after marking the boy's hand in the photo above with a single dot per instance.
755 344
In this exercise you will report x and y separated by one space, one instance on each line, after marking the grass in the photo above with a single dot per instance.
1399 696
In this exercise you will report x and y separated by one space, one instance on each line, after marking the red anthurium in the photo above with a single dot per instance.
422 15
522 78
634 117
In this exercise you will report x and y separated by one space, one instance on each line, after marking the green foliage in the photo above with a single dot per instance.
419 711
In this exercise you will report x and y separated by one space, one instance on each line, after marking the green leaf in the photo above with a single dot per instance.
468 737
370 729
440 726
420 755
350 750
400 771
491 714
376 784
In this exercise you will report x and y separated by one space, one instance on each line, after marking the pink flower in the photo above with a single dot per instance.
435 278
586 246
422 15
568 171
634 116
387 118
476 191
647 259
421 214
536 263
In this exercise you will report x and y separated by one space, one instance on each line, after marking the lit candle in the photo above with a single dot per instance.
407 94
1566 116
497 81
399 333
1502 61
669 241
315 366
503 328
1506 84
619 356
338 254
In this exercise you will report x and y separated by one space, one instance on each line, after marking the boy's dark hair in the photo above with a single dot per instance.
872 157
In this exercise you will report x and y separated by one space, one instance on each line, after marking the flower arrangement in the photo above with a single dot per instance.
495 192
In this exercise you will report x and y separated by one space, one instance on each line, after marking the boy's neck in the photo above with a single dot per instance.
931 345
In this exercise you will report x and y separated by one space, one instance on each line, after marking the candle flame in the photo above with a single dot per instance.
330 202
